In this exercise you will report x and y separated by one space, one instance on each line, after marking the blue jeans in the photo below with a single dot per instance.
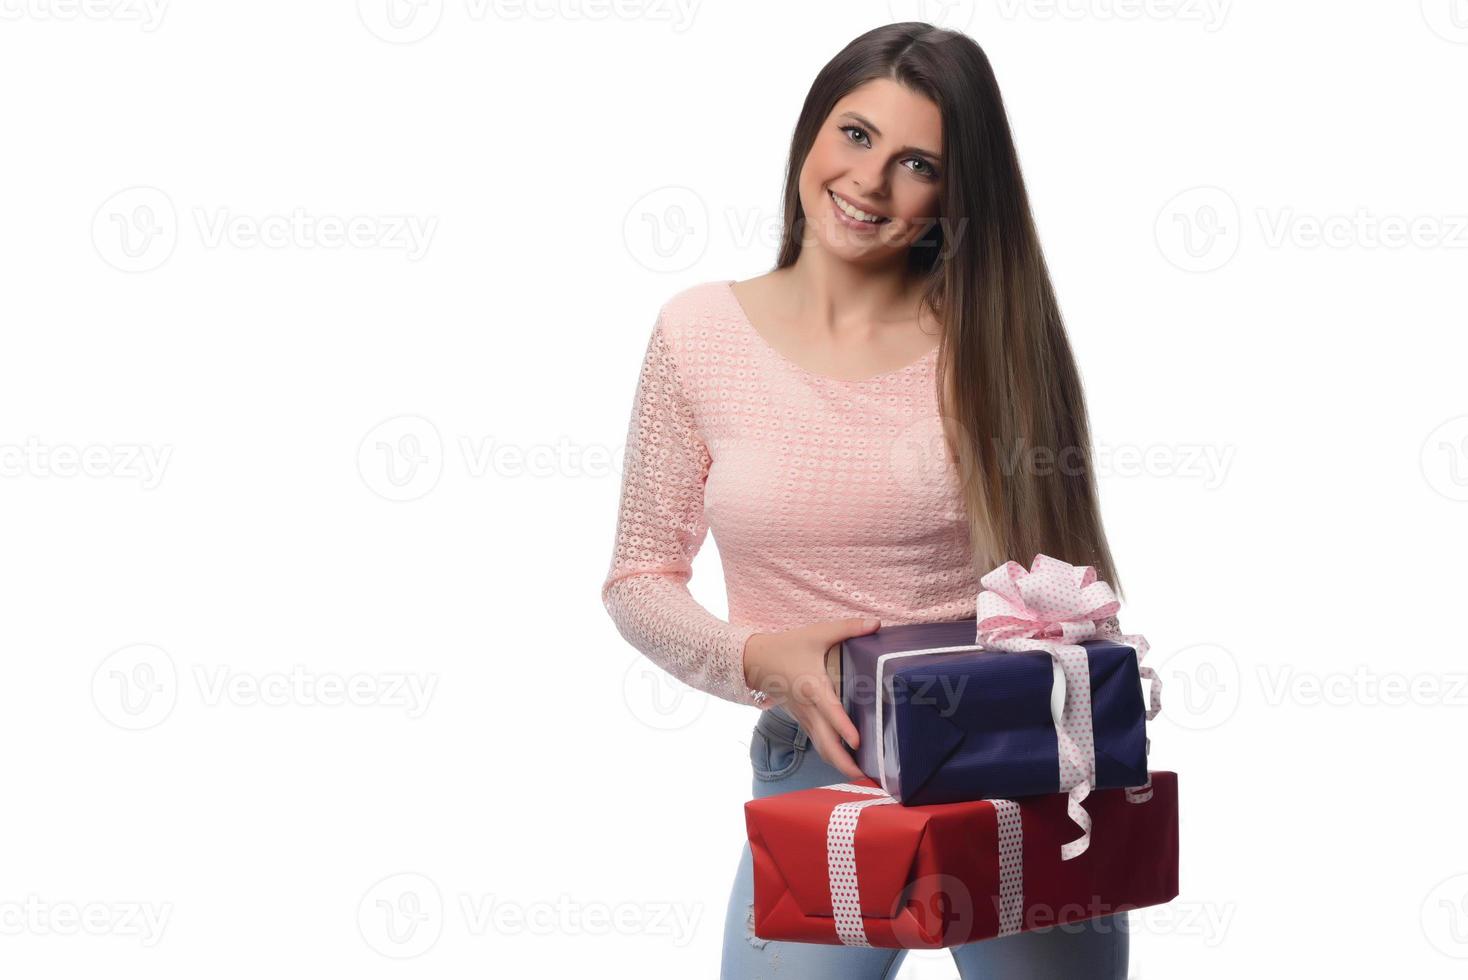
783 760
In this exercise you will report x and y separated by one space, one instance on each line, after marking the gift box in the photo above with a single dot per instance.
835 865
941 720
1040 693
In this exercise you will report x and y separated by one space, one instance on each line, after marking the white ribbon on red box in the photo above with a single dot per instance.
845 879
841 863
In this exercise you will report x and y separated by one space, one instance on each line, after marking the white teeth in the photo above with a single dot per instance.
856 213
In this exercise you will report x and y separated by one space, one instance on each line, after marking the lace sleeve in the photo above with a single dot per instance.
660 527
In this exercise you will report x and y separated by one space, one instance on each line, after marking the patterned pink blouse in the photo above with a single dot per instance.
828 498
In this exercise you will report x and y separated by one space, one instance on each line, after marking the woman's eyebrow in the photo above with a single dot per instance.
877 132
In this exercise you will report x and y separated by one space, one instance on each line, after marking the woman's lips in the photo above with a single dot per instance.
848 221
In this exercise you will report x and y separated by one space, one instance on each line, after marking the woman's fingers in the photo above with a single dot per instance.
834 713
829 746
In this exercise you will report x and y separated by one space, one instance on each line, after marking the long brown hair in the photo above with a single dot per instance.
1014 411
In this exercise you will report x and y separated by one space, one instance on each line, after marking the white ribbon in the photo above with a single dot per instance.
1054 606
885 693
1073 762
841 863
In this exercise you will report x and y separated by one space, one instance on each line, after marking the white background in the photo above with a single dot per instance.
245 461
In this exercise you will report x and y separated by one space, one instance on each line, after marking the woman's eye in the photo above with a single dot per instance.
924 169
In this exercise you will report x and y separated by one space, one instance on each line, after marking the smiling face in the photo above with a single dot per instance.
878 154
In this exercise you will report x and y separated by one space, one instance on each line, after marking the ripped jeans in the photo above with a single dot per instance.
784 760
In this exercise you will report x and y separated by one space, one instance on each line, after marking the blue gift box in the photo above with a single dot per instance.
971 724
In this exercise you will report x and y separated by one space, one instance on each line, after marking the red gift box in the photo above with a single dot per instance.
834 865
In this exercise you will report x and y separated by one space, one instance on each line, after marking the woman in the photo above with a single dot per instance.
890 412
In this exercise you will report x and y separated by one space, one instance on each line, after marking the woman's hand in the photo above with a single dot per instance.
790 667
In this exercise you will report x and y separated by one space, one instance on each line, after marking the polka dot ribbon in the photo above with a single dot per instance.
841 862
1054 606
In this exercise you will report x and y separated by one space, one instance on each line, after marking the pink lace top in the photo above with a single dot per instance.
828 498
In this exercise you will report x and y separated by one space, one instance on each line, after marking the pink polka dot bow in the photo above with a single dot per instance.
1053 607
1053 600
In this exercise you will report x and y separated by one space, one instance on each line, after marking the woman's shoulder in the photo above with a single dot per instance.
700 312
